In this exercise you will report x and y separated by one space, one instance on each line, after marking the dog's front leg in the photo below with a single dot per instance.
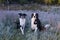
35 29
22 30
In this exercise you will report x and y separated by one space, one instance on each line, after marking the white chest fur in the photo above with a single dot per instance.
22 21
33 26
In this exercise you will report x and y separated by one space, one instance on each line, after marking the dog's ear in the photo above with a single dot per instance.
32 15
19 14
37 15
24 14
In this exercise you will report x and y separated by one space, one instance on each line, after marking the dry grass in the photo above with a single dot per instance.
24 7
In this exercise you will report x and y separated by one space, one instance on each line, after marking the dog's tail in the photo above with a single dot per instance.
47 25
42 28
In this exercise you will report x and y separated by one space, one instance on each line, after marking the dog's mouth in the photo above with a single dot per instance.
34 16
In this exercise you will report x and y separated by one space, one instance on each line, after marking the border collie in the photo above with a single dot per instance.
22 22
35 23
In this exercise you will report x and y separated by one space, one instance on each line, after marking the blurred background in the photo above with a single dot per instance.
27 4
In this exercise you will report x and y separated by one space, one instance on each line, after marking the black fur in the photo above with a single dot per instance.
37 21
32 15
20 14
24 15
17 24
39 25
37 15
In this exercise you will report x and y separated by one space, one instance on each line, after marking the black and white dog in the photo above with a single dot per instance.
22 22
35 22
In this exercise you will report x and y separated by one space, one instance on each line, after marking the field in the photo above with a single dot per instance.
8 29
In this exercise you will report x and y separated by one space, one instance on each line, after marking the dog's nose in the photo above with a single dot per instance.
34 16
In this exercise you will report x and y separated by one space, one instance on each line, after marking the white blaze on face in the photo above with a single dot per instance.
33 26
34 14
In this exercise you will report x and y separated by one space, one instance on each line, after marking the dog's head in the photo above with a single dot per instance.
34 15
22 15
